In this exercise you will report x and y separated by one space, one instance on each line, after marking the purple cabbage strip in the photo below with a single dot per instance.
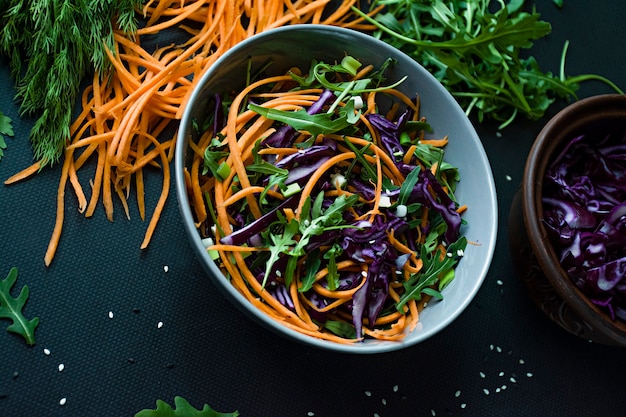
218 115
442 203
281 293
359 306
304 163
243 235
572 214
390 132
284 136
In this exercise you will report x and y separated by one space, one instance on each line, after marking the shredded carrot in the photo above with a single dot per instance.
440 143
25 173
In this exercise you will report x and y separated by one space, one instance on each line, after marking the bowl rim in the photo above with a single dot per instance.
569 119
373 346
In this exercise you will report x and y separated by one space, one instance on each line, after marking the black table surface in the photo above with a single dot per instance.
172 333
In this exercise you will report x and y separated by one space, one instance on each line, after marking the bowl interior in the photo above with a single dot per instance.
297 46
592 116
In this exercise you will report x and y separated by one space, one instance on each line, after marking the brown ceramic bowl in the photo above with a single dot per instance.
548 284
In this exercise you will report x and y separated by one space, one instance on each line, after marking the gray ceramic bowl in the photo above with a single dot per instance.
547 283
298 45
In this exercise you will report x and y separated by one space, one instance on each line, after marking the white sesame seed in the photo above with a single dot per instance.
159 325
486 391
503 387
63 401
368 393
395 388
521 361
432 412
364 274
448 254
529 374
278 273
310 413
490 347
376 415
508 178
46 351
457 394
463 405
460 252
499 282
383 401
513 380
497 389
501 374
110 314
61 367
498 349
166 268
482 374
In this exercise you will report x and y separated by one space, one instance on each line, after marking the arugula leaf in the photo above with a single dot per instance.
281 243
213 160
333 274
182 409
275 180
11 308
407 186
315 124
359 154
436 267
331 219
340 328
5 130
266 168
311 266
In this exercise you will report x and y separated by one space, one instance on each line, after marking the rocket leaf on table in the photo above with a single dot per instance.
5 130
11 308
183 409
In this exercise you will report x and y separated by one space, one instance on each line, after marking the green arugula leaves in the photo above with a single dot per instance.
296 234
436 273
11 308
475 53
5 130
315 124
182 409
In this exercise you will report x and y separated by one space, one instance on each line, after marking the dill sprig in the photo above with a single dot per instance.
52 46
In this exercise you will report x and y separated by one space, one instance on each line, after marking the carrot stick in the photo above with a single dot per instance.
25 173
60 212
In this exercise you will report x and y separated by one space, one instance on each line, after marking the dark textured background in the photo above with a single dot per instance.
207 352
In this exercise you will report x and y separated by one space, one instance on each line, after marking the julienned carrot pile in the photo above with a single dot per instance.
334 219
126 113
